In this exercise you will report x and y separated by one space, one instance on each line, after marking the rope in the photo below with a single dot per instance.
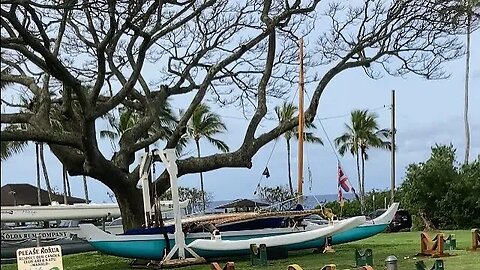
270 156
281 203
334 149
268 161
310 177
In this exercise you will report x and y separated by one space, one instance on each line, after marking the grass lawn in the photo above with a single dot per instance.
403 245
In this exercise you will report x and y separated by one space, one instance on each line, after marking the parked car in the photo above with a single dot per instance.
402 221
317 219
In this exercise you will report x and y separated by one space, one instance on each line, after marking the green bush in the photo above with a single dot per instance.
442 194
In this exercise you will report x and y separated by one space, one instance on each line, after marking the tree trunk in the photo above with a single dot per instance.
69 190
467 77
85 188
289 166
130 201
427 224
45 173
197 142
359 181
65 192
37 159
363 180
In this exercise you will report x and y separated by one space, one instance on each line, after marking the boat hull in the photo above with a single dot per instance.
152 247
69 238
69 246
26 213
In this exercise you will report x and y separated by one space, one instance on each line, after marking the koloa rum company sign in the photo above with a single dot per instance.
40 258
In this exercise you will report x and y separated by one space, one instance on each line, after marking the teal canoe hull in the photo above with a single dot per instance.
153 249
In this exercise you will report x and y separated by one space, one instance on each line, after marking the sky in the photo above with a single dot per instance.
427 113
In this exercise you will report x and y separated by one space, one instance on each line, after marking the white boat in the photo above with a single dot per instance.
292 241
57 211
70 239
152 246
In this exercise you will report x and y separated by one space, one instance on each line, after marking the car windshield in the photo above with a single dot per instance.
376 213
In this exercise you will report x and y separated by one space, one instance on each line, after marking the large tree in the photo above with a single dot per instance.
205 124
362 133
286 112
76 61
453 188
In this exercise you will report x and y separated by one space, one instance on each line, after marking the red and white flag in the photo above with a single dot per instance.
342 180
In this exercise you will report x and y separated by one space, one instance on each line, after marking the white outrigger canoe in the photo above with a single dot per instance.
152 247
68 212
291 241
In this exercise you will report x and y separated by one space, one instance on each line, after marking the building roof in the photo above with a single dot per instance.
26 194
242 203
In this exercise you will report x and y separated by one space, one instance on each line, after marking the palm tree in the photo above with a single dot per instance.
464 12
85 188
41 157
9 148
37 162
205 124
467 78
126 121
362 133
285 113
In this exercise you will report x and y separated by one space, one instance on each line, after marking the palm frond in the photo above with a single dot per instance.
10 148
311 138
221 145
205 123
108 134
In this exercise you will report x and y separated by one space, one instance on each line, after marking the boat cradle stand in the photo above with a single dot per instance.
168 158
475 240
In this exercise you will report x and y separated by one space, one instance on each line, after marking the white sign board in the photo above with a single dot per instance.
40 258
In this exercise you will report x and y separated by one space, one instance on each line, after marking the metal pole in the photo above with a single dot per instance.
85 189
301 121
169 158
392 176
39 240
145 164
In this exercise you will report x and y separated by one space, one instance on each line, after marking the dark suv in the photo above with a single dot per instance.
402 221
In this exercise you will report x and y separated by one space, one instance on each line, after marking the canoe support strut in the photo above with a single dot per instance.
168 158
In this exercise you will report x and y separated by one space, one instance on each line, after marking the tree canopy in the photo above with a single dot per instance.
77 61
441 193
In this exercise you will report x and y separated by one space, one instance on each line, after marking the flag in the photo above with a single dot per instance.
356 195
342 179
266 172
340 197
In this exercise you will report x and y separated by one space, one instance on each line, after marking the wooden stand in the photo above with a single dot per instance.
437 265
328 246
434 247
294 267
228 266
363 258
475 240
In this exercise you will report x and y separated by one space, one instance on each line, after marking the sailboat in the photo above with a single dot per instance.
152 245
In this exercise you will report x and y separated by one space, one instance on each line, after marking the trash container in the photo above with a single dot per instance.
391 263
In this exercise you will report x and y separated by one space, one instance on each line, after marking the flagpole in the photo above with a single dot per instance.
392 176
300 125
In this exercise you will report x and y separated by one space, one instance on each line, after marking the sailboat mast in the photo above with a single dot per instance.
301 124
392 176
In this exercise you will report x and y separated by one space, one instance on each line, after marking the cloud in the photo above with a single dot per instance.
419 138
